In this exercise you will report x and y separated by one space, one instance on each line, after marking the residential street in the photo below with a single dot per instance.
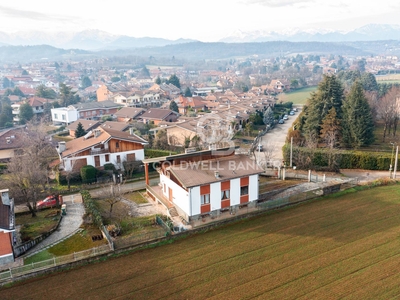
273 142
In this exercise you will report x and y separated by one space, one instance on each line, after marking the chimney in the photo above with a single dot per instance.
61 147
216 174
97 133
131 130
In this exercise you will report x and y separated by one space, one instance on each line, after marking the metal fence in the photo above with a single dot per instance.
53 262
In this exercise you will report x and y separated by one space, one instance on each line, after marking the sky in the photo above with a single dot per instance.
204 20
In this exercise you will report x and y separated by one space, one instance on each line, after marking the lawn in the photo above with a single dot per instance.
44 221
298 97
389 78
337 247
76 243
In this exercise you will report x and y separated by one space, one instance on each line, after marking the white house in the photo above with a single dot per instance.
101 146
206 183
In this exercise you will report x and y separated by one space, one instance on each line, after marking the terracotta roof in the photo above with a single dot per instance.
129 112
203 172
157 114
118 126
12 138
90 140
5 244
87 124
37 101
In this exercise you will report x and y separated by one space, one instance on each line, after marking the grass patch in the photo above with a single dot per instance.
78 242
298 97
138 225
136 197
32 227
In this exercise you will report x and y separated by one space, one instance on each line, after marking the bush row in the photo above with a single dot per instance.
332 160
151 153
91 208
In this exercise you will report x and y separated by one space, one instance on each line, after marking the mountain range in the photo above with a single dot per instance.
95 40
370 32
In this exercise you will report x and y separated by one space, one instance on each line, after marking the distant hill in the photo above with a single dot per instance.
203 51
86 40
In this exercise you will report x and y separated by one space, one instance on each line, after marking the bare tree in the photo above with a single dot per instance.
388 111
113 197
27 171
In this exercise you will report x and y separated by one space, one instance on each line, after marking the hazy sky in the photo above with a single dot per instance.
205 20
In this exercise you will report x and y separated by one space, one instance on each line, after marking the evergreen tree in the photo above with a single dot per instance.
86 82
80 131
173 106
330 129
173 79
358 125
25 113
269 116
329 94
6 115
188 92
158 80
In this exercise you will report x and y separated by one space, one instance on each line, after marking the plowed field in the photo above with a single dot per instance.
345 247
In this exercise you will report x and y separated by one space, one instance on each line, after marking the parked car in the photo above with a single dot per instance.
291 113
49 201
285 117
295 109
281 121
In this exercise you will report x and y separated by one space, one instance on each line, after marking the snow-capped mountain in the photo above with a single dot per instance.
371 32
86 40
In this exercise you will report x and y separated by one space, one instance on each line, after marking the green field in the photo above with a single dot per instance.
298 97
389 78
338 247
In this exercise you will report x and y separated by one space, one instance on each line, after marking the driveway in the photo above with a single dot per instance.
70 223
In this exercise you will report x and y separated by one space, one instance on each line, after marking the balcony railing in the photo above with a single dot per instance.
99 151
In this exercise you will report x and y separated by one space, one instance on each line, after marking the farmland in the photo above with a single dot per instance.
343 246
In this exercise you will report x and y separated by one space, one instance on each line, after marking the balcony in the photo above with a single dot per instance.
99 151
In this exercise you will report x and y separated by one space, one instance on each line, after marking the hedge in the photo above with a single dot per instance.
151 153
306 158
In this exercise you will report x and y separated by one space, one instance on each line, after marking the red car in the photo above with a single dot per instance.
50 201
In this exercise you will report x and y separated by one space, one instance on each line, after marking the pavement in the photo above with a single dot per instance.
69 225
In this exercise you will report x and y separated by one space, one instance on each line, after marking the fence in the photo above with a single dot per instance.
134 240
50 263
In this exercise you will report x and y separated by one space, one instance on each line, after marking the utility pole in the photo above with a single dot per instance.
395 162
291 151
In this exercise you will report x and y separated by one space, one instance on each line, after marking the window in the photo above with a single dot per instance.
116 144
244 190
205 199
225 194
63 117
107 156
55 116
118 159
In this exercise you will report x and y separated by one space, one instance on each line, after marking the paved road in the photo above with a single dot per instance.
273 142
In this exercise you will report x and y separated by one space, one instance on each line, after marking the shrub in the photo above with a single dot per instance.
88 174
61 178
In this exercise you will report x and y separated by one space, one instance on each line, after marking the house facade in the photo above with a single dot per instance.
206 183
101 146
88 111
7 228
